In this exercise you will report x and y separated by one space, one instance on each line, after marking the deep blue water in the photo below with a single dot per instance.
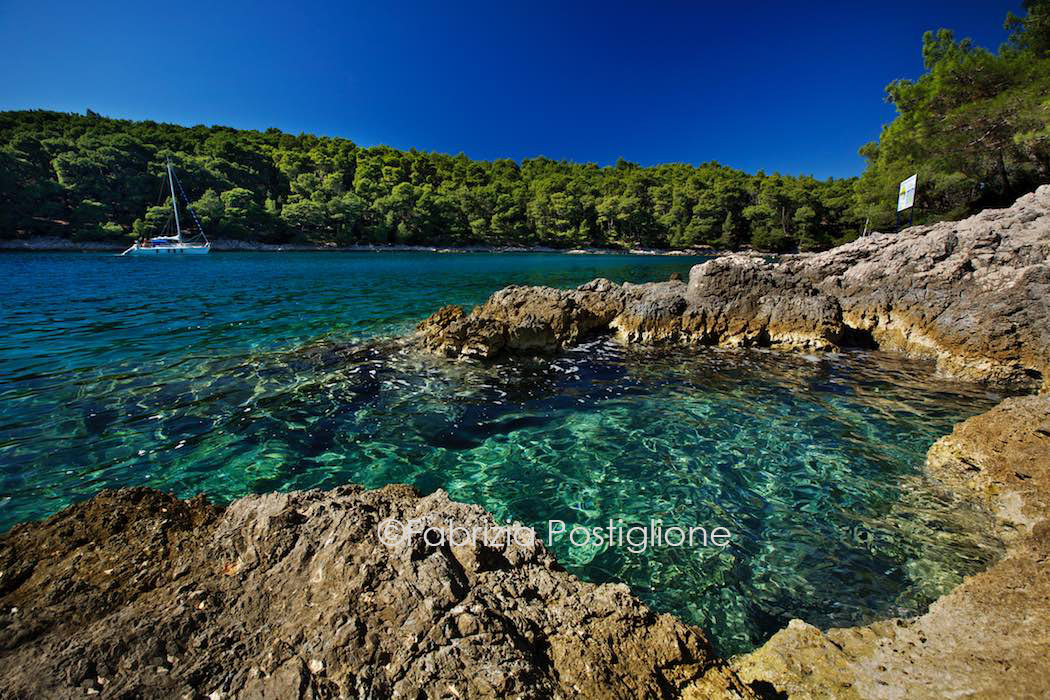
239 373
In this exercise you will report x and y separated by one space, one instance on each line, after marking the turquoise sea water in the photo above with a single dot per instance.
240 373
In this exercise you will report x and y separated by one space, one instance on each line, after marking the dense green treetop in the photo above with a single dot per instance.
975 127
88 177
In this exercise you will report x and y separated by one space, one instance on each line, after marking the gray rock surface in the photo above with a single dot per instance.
973 294
138 594
523 320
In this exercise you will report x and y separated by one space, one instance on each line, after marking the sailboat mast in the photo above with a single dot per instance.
174 203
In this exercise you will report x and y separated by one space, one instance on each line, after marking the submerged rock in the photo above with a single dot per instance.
973 294
139 594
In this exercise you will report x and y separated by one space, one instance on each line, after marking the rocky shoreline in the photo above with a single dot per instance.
135 593
974 295
988 638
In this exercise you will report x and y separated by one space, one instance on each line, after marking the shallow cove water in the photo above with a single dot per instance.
239 373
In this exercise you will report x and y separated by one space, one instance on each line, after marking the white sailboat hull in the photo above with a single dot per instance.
168 250
174 245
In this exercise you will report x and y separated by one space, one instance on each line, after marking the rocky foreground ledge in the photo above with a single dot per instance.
973 294
136 593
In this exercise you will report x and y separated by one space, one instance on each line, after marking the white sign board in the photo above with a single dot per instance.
906 196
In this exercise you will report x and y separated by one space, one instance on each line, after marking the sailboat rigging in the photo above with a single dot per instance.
196 244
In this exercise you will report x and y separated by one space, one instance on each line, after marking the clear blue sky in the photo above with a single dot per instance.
779 86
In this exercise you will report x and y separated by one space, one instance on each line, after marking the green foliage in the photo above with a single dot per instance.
89 223
88 214
1032 32
975 127
210 210
304 215
56 169
242 216
111 230
157 221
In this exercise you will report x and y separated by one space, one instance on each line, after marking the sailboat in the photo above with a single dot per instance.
193 244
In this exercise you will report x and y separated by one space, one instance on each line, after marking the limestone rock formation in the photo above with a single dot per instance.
744 300
523 320
972 294
138 594
1002 458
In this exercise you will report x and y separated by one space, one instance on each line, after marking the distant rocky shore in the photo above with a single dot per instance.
136 593
45 243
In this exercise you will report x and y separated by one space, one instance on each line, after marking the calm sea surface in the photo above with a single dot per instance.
239 373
